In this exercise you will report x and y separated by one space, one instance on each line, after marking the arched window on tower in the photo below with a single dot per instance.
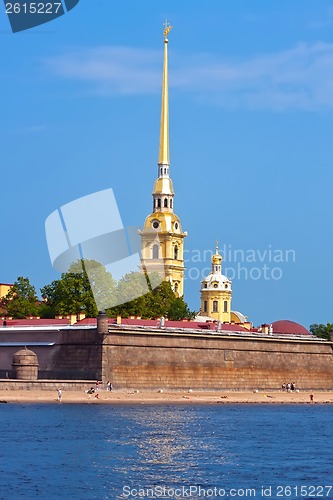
176 287
156 251
175 253
170 203
165 202
161 170
205 306
215 306
225 306
159 202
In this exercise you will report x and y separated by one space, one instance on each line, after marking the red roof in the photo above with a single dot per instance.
289 327
154 323
35 322
89 321
279 327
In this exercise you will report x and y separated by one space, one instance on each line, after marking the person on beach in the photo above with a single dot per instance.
109 386
59 392
90 391
311 398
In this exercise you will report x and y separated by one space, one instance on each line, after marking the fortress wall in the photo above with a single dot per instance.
78 354
45 385
138 359
72 354
176 361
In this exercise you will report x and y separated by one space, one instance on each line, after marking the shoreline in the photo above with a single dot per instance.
117 397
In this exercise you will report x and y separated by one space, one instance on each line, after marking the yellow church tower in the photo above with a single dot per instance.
216 292
162 237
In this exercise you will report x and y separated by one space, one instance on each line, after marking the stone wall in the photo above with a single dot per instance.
75 356
46 385
66 354
138 358
154 360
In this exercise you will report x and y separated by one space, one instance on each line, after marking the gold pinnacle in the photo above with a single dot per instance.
163 157
167 28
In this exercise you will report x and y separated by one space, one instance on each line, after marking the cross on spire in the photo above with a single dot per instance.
167 28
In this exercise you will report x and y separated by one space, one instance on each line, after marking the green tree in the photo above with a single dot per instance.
21 300
151 303
132 291
102 284
75 292
321 330
162 298
88 280
178 310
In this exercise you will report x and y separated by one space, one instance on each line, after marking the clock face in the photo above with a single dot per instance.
155 224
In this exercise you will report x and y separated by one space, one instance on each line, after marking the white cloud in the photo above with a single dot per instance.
115 70
297 78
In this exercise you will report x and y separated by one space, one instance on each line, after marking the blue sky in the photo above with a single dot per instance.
251 115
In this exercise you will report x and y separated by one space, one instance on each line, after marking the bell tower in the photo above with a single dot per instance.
162 237
216 292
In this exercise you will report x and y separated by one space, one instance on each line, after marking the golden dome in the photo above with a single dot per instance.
217 258
163 185
163 222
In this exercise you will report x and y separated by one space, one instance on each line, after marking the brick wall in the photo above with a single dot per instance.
71 354
46 385
141 359
176 361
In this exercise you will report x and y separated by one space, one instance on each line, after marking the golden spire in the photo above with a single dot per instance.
163 157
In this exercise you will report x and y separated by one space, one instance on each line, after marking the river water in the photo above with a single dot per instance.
165 451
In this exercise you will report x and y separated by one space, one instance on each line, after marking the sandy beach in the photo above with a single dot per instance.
167 397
